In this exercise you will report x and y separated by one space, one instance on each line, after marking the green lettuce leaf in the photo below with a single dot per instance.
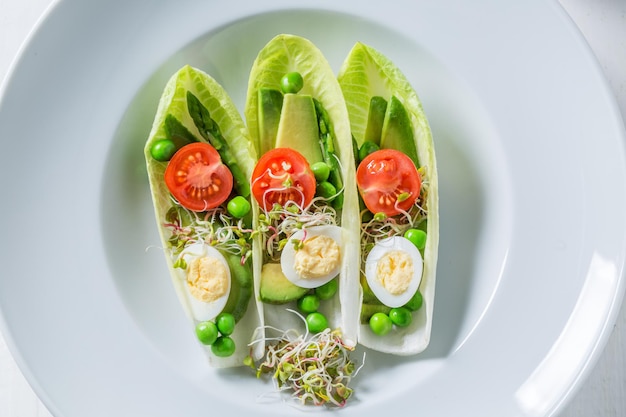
286 53
364 74
173 120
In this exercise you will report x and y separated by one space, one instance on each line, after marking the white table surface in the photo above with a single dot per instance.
603 24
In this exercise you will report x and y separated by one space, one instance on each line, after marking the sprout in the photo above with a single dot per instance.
379 226
215 227
278 224
316 369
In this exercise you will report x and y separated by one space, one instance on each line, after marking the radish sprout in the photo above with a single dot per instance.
214 227
315 368
280 222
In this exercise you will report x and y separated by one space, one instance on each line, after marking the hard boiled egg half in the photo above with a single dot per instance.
206 280
393 270
312 256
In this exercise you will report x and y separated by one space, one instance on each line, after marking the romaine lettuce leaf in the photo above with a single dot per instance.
366 73
287 53
173 118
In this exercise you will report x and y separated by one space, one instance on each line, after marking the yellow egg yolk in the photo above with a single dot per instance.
395 271
207 279
317 257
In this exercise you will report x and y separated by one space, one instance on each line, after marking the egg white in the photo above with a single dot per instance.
378 251
200 310
287 258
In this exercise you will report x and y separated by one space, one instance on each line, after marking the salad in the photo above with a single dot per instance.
199 159
307 229
397 181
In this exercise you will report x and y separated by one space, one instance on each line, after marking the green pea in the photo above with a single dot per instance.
291 82
224 346
225 323
328 290
326 189
206 332
367 148
417 237
415 303
400 316
380 323
163 150
238 207
321 170
309 303
316 322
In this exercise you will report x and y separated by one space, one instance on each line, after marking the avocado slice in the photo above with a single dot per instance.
375 119
270 106
397 130
275 288
368 295
298 128
240 287
368 310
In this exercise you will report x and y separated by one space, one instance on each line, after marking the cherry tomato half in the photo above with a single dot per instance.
197 178
388 182
282 175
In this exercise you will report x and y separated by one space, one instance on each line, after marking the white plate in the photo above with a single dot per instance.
532 174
